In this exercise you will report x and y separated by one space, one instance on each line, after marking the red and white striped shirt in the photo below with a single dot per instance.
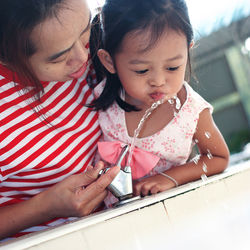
35 155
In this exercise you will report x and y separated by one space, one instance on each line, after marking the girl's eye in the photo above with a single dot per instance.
141 72
172 68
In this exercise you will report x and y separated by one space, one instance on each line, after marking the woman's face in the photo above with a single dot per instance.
61 43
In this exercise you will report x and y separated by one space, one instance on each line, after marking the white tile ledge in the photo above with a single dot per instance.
40 237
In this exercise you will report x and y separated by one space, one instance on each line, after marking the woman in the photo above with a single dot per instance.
48 136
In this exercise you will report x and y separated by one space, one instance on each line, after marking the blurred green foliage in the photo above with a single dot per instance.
238 140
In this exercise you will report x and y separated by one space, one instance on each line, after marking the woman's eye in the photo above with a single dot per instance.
59 61
172 68
141 72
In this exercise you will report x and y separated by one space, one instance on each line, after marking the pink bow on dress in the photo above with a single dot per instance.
142 162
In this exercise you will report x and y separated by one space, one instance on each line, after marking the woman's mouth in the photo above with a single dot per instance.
79 72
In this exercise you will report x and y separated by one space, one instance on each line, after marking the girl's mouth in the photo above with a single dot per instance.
79 72
157 96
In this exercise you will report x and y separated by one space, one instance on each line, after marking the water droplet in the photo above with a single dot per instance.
196 159
204 167
209 155
171 101
154 105
178 103
196 140
207 134
204 177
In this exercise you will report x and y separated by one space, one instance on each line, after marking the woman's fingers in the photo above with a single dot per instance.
90 206
98 186
86 178
92 173
95 192
88 198
74 197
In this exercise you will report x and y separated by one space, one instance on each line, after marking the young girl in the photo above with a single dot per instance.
145 53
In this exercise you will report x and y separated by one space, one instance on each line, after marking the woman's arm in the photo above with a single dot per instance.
78 195
214 157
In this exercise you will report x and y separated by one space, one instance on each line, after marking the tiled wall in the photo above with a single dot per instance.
212 216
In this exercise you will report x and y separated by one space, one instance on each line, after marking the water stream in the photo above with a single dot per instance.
175 102
139 127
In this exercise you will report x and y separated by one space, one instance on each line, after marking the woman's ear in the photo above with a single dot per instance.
106 60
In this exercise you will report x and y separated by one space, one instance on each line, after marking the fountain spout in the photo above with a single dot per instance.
121 187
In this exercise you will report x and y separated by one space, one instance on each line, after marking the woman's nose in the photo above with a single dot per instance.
79 55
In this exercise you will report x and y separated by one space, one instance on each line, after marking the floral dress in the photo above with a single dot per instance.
172 144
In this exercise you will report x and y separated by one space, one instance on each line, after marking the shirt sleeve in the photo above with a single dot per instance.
99 88
91 75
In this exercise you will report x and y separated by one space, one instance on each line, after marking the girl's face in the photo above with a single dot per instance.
60 43
149 75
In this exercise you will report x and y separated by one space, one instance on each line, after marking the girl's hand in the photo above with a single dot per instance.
78 195
152 185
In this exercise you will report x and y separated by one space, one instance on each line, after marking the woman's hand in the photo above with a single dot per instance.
78 195
152 185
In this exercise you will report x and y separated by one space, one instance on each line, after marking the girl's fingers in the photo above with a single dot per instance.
145 189
137 188
155 189
142 188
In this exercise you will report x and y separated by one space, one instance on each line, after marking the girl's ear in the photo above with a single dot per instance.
106 60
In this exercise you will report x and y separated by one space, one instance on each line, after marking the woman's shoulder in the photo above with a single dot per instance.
6 74
7 85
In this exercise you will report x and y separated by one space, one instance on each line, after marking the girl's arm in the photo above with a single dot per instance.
78 195
214 159
213 150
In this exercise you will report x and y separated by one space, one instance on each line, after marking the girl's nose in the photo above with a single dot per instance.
157 80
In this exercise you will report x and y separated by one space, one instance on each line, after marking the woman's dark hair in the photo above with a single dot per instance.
119 17
17 20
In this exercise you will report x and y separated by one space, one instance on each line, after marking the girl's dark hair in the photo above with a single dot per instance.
17 20
119 17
